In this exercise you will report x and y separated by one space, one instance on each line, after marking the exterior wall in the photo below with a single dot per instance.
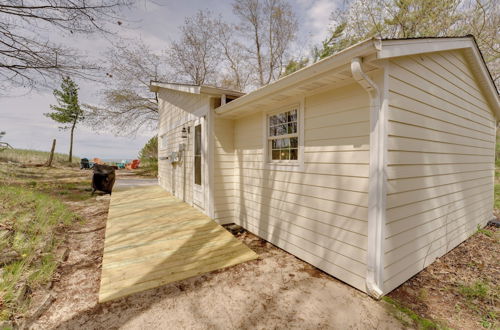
440 171
223 170
317 211
178 110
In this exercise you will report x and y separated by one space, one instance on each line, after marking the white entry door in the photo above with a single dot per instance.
199 163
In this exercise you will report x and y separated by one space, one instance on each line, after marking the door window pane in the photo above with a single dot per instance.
197 154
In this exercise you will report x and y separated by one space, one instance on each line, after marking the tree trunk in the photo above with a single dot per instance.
71 143
259 57
51 157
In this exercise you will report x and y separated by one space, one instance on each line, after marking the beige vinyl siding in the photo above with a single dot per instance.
317 212
223 170
178 110
441 142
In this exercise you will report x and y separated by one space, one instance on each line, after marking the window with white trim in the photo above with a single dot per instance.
283 136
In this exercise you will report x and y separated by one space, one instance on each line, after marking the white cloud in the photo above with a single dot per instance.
317 18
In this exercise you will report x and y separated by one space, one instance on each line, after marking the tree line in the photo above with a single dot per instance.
251 52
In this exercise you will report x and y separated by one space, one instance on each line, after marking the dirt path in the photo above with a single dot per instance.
277 291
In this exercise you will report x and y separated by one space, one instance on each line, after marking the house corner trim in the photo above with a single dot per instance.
377 185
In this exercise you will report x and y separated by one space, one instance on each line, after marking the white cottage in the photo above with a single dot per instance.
369 164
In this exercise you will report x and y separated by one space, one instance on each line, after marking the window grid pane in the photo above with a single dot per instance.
284 149
284 123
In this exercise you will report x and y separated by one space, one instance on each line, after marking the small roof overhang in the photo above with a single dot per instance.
155 86
336 69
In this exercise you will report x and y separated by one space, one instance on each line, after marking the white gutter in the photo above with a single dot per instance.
376 193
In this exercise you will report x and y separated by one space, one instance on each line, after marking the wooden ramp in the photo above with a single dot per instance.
153 238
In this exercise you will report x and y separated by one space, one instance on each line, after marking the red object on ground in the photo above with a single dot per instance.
132 166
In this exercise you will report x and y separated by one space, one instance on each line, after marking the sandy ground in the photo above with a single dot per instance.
277 291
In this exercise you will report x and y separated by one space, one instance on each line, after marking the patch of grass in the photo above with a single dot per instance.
478 289
46 266
404 314
485 231
148 167
33 220
34 157
488 320
479 295
68 183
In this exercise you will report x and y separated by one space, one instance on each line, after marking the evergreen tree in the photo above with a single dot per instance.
67 111
149 156
295 65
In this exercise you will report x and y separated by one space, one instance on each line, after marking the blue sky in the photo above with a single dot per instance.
156 23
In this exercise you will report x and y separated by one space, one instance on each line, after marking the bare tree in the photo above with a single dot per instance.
127 104
253 51
235 69
361 19
482 19
270 27
27 57
194 56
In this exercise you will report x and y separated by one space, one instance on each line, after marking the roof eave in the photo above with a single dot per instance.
219 91
155 86
364 48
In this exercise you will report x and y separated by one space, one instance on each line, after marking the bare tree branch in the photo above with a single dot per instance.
194 57
270 26
28 58
127 105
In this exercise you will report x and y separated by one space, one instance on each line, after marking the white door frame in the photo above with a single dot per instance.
200 190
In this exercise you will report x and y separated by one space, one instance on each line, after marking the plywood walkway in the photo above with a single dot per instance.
152 239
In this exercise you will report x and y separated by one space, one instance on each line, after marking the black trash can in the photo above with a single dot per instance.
103 178
84 163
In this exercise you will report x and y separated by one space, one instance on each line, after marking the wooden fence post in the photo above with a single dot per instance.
51 157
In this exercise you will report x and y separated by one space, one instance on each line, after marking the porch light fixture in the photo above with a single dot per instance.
185 132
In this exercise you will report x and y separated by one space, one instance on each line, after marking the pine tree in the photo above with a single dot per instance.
67 111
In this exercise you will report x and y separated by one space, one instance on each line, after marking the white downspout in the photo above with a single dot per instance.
376 193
